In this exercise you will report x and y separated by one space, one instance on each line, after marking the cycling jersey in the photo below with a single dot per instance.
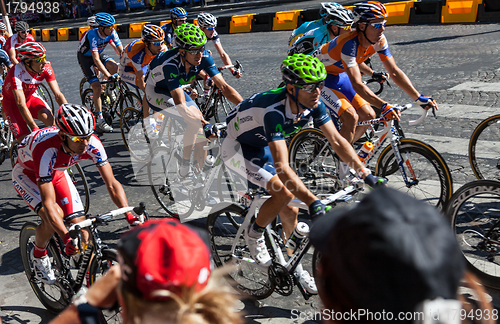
167 72
304 28
92 41
14 42
19 77
2 42
215 37
310 41
4 59
169 33
134 58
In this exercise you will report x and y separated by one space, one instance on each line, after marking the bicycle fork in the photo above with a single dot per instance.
414 181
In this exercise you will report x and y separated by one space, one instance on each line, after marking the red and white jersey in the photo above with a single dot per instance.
14 42
19 77
41 153
3 40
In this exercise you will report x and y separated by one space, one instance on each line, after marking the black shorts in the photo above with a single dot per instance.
87 64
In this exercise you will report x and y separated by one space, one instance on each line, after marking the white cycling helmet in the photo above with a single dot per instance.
92 23
339 17
207 20
2 26
75 120
325 6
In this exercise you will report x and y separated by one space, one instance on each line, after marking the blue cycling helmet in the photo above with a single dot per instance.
178 12
104 19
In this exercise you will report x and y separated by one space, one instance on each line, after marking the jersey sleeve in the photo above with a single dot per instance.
115 38
382 48
48 72
93 41
349 52
208 64
4 58
43 173
215 38
273 126
320 115
96 151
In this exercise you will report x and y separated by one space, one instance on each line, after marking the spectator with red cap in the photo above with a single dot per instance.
163 276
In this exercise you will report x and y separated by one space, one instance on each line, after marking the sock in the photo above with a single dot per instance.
299 269
39 252
184 169
99 115
256 231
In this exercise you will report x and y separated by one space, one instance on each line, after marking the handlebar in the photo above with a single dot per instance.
212 144
236 65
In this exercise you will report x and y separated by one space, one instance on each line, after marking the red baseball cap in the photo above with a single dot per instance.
163 255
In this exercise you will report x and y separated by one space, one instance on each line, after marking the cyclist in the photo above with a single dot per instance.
207 23
4 63
21 36
309 25
255 147
178 16
90 53
4 34
138 54
91 22
169 70
345 92
21 103
338 21
40 177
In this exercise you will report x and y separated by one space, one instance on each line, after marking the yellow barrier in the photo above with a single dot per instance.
46 34
398 12
286 20
457 11
36 34
63 34
82 31
241 24
164 22
135 29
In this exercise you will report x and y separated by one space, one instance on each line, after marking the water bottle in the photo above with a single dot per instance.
364 151
159 122
300 231
209 163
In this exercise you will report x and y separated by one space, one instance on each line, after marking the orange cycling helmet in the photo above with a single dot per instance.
368 11
152 33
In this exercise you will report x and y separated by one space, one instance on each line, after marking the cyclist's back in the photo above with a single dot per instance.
310 41
304 28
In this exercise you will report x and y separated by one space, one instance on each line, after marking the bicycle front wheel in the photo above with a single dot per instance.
133 134
54 297
130 99
314 161
484 149
13 153
474 215
425 174
221 108
77 176
44 93
245 276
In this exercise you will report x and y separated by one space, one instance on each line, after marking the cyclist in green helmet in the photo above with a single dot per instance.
168 71
255 148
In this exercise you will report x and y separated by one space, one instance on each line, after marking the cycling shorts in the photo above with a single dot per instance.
129 76
67 196
341 86
87 66
252 163
17 124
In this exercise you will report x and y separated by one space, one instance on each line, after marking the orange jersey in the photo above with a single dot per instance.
134 56
346 51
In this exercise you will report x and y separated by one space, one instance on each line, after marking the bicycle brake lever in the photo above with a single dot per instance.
139 210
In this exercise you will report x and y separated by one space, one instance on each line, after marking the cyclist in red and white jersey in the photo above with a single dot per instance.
40 177
21 103
4 34
21 37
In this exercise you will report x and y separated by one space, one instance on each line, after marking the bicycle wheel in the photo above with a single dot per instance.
78 178
484 149
87 101
98 267
133 134
54 297
87 98
175 195
246 277
130 99
44 93
474 215
314 161
82 86
13 153
221 107
428 176
6 139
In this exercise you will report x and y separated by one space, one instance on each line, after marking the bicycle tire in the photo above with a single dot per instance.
87 101
129 99
99 267
434 183
247 278
473 211
13 153
314 161
82 86
484 149
136 143
171 193
81 185
44 93
6 138
221 108
51 296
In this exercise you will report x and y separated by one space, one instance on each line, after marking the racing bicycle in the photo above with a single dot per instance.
484 149
409 165
70 271
6 140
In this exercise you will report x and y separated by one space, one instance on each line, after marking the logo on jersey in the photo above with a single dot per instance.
26 196
332 102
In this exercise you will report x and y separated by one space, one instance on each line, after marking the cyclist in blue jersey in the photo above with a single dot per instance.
90 54
309 25
178 16
338 21
4 59
255 148
168 71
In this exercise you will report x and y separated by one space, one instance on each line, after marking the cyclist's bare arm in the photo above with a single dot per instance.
360 88
60 98
225 58
342 147
23 109
114 187
13 56
145 107
53 215
139 76
190 114
365 69
100 66
118 49
229 92
285 173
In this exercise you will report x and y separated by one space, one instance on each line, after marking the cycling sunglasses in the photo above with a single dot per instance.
311 87
196 51
78 139
157 43
378 25
209 28
40 59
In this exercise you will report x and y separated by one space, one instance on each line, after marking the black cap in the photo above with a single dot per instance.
389 252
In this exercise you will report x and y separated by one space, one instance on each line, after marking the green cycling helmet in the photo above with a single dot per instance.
302 69
188 36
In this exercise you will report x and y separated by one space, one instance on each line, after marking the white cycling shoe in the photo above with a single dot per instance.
258 248
307 282
43 270
103 126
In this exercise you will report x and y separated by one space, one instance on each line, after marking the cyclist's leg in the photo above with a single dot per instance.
109 63
16 121
40 110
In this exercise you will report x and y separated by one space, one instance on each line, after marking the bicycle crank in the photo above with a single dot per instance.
282 279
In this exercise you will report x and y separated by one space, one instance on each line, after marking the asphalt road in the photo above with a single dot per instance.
437 58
